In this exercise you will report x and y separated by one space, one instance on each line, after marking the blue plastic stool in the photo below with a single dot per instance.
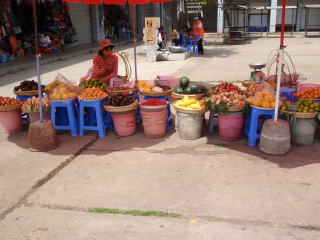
94 119
194 49
288 93
212 123
252 125
169 116
64 116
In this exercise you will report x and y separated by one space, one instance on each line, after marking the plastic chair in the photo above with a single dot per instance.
94 119
194 45
169 116
212 123
64 115
252 125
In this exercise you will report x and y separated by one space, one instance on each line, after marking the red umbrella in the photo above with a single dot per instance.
123 2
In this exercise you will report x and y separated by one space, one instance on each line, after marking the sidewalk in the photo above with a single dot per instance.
28 61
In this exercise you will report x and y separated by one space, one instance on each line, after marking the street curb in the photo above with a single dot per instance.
44 61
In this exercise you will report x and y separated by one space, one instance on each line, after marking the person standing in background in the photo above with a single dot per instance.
199 29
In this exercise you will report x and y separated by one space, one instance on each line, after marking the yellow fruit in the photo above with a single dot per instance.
146 89
272 104
65 96
141 84
269 97
265 104
257 103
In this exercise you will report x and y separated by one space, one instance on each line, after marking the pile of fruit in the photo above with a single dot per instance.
232 98
254 86
119 100
190 103
311 93
186 88
263 99
154 102
93 94
62 91
9 102
52 85
150 86
302 106
226 87
89 83
27 85
32 105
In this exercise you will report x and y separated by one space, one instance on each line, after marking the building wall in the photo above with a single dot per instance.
210 17
80 15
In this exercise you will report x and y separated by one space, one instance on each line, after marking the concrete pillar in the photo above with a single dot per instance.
299 16
273 16
220 16
98 32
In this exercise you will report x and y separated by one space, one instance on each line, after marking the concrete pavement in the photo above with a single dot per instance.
220 190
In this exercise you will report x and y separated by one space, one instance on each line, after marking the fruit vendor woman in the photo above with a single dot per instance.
105 64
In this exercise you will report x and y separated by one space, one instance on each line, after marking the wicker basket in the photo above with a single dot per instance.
300 114
131 107
26 93
177 96
190 111
126 92
246 83
9 108
156 94
235 108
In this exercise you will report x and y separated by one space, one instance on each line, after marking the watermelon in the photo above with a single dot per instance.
178 90
201 89
187 90
193 88
184 82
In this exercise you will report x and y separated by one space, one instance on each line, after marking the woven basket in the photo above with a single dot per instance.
9 108
246 83
300 114
235 108
126 92
177 96
190 111
156 94
132 106
26 93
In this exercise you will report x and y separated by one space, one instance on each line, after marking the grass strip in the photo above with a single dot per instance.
134 212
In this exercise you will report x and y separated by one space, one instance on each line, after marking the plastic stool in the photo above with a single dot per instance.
94 119
252 125
194 49
25 98
212 123
169 117
288 93
64 116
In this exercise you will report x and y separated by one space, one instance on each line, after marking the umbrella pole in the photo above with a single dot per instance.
280 60
134 26
34 10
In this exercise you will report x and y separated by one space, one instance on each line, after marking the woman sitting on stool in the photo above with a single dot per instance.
105 64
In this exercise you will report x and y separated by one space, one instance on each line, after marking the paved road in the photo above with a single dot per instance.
201 189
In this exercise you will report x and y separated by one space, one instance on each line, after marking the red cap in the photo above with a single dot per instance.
105 43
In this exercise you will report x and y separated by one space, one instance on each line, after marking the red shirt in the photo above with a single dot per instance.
105 69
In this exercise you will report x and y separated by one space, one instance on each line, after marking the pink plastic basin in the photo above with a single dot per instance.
230 127
154 123
11 121
124 124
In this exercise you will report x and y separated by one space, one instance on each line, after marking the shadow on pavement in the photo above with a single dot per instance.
297 157
68 145
218 52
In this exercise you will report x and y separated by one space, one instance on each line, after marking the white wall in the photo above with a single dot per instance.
80 15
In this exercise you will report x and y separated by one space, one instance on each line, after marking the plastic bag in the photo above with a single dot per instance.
264 96
61 88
